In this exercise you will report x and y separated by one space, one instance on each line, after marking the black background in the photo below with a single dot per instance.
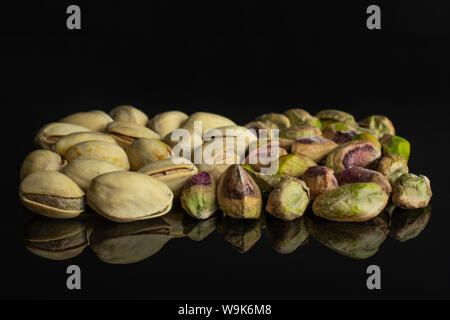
239 60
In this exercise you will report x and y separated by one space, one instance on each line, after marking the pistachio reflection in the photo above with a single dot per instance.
408 224
241 234
287 236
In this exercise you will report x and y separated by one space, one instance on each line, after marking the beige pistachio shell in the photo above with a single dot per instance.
208 121
49 134
241 135
99 150
41 160
59 197
82 171
143 151
176 140
129 114
166 122
95 120
124 196
126 132
174 172
67 142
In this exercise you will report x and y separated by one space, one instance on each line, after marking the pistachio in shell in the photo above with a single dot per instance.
329 116
51 194
289 199
41 160
358 174
302 117
280 120
67 142
319 179
293 165
340 132
240 135
299 131
143 151
392 166
241 234
198 197
238 194
395 145
165 122
99 150
314 147
207 121
351 202
126 132
380 124
198 230
124 196
49 134
184 139
129 113
95 120
411 191
407 224
286 236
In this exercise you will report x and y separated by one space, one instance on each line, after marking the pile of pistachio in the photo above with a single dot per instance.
122 165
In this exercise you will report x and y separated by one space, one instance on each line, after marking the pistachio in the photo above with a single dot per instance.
124 196
351 202
358 153
358 174
208 121
95 120
198 197
67 142
287 236
166 122
300 117
319 179
99 150
49 134
241 234
129 113
410 191
261 125
241 135
289 199
282 143
174 218
299 131
174 172
143 151
177 138
330 116
198 230
313 147
340 132
407 224
82 171
238 194
265 182
380 124
293 165
51 194
280 120
392 166
126 132
41 160
261 157
367 136
395 145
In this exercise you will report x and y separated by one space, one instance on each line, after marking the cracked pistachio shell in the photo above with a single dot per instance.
314 147
241 234
411 191
95 120
174 172
124 196
208 121
392 166
198 197
143 151
129 113
407 224
287 236
51 194
351 202
198 230
367 136
67 142
381 125
126 132
319 179
340 132
302 117
329 116
49 134
395 145
166 122
238 194
265 182
299 131
176 139
289 199
56 239
293 165
82 171
127 243
41 160
99 150
280 120
358 153
358 174
241 134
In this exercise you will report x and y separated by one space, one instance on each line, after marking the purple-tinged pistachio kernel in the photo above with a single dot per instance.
358 174
319 179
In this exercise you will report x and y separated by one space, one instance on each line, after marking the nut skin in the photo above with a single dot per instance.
95 120
51 194
238 194
41 160
330 116
126 132
392 166
49 134
286 236
129 113
340 132
314 147
143 151
289 199
299 131
358 153
319 179
351 202
67 142
293 165
302 117
407 224
124 196
198 197
280 120
99 150
358 174
241 234
395 145
380 124
166 122
411 191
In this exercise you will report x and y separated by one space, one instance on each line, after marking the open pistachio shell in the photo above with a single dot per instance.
241 234
67 142
49 134
177 139
126 132
314 147
143 151
241 135
95 120
380 124
299 131
395 145
41 160
411 191
125 196
358 174
407 224
166 122
51 194
129 114
319 179
174 172
208 121
287 236
302 117
99 150
280 120
392 166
